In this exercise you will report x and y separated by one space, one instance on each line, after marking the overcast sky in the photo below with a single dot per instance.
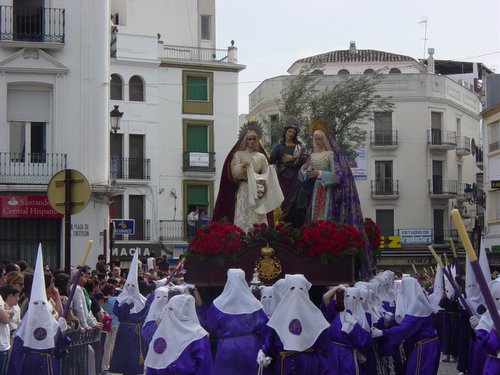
272 34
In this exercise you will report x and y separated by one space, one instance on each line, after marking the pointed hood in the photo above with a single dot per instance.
130 292
38 327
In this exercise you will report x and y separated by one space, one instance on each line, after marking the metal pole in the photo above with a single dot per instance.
67 220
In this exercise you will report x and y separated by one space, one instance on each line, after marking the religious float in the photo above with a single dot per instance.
326 252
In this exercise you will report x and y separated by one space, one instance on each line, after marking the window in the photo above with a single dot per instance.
394 71
437 177
116 87
369 71
385 221
383 177
136 212
494 205
494 136
383 128
197 90
198 194
136 89
343 71
438 216
198 146
205 27
436 128
28 142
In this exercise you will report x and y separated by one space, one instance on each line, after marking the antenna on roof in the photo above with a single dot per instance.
425 36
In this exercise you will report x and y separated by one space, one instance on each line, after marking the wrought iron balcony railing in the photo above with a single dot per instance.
463 145
32 24
198 162
179 229
30 168
438 186
384 138
385 186
446 139
130 168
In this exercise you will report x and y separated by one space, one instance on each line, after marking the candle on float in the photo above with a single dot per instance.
464 237
86 253
453 249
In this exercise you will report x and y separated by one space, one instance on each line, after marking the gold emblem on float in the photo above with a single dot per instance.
268 266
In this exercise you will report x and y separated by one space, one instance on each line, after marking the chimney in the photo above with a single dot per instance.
430 62
352 47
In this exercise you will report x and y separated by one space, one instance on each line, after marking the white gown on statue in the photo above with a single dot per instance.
246 215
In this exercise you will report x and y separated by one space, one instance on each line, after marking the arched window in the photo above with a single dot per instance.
394 70
343 71
317 72
116 87
136 89
369 71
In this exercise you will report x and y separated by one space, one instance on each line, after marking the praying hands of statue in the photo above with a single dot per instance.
287 158
245 164
312 173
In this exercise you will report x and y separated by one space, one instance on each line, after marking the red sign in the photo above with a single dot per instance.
27 206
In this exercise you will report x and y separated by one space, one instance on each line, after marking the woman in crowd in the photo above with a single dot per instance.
249 189
289 155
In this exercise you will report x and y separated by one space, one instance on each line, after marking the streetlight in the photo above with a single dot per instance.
114 118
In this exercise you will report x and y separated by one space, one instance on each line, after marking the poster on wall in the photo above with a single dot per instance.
358 165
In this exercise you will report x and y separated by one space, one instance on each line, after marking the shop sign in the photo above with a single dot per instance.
27 207
416 236
125 251
422 261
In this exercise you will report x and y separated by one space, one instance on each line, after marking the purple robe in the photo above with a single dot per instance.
315 361
196 359
148 330
26 361
423 356
450 328
477 353
345 347
491 345
130 348
240 337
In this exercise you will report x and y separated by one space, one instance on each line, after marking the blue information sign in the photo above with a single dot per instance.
124 226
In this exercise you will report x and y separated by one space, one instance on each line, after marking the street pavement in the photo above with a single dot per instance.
447 368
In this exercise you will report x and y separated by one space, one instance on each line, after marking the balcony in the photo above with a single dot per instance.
198 162
477 151
170 52
130 168
30 168
385 189
32 27
142 232
442 189
384 139
463 146
461 191
438 139
177 230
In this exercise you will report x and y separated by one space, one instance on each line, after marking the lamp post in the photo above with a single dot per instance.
115 117
477 196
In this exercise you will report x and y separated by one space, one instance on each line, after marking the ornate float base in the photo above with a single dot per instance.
213 272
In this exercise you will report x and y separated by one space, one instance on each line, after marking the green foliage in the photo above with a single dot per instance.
346 103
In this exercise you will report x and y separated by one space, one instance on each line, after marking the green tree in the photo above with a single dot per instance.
345 102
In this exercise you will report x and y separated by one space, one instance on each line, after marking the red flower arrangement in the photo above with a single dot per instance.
219 238
280 232
327 239
373 233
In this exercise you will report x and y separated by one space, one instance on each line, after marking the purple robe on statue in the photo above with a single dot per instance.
26 361
314 361
240 337
196 359
423 357
130 348
491 345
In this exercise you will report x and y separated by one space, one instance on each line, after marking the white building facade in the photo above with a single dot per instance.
417 159
63 67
